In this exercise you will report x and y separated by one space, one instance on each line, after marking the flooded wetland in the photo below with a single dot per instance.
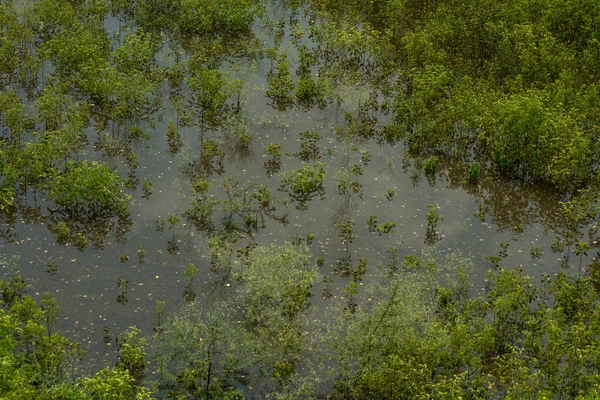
298 199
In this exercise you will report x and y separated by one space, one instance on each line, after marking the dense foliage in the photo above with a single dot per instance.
39 363
511 83
423 333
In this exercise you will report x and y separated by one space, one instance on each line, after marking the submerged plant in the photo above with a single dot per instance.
309 146
159 309
431 165
273 165
89 187
390 194
304 184
474 172
433 217
146 188
189 274
280 84
141 253
174 139
373 226
346 235
123 285
52 267
172 245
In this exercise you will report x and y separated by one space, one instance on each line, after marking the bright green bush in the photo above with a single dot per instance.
89 186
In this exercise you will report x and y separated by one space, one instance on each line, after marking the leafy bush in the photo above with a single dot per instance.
304 184
89 187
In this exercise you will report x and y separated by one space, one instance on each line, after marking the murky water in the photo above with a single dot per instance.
86 281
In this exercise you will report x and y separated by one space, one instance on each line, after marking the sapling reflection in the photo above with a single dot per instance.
271 54
310 149
346 235
327 280
189 273
503 249
174 139
237 137
146 188
172 247
273 165
200 212
141 253
433 217
211 161
365 157
208 97
123 285
279 32
535 252
348 179
159 309
132 162
173 221
372 223
52 267
351 291
160 224
502 254
481 212
106 338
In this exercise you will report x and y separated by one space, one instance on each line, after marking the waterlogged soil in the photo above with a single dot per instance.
85 282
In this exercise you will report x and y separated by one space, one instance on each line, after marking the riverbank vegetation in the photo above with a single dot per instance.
422 332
